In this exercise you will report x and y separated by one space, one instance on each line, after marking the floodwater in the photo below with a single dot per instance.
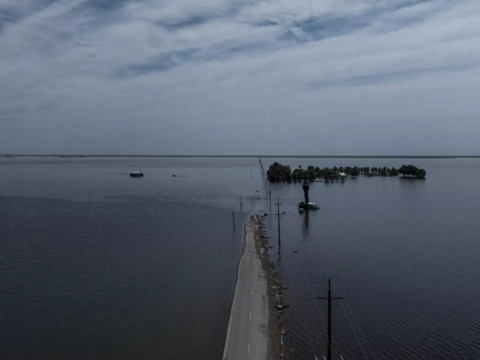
98 265
403 253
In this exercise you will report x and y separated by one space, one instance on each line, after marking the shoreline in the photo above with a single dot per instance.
274 293
259 333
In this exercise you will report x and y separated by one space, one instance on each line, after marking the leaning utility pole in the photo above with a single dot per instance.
329 298
278 217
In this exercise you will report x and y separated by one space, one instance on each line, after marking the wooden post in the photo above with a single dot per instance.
270 195
330 298
278 217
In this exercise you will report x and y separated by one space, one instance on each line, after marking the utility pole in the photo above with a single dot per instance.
329 298
270 195
240 204
278 217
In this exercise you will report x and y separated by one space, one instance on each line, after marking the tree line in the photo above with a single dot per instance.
412 171
283 173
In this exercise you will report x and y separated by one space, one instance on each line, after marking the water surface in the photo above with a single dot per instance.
98 265
403 253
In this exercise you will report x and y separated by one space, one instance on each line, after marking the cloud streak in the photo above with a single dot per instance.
226 77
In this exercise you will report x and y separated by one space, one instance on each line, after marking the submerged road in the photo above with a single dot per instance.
247 334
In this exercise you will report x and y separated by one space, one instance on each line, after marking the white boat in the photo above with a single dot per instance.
312 205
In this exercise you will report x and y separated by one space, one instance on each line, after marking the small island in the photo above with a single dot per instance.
283 173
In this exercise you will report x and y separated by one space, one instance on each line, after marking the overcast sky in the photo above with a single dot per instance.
309 77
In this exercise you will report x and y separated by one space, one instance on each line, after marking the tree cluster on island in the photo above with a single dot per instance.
283 173
278 172
412 172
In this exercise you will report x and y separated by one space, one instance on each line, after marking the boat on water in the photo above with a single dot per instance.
307 206
136 174
313 206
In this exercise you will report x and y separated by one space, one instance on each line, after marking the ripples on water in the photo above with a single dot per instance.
96 265
403 253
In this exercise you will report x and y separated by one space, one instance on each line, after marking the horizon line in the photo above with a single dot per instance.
246 156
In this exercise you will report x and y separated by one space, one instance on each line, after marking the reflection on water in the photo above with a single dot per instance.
397 250
306 226
98 265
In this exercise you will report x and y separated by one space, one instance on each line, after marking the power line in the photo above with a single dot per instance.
321 317
279 217
336 288
353 328
330 298
305 323
323 323
351 324
359 329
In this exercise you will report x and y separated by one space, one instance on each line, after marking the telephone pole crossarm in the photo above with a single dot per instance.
329 298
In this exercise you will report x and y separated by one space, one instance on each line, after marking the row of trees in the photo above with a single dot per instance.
278 172
380 171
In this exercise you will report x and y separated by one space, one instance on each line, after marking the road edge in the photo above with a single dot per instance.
225 347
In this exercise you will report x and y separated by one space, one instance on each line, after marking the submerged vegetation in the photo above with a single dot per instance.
283 173
278 172
412 171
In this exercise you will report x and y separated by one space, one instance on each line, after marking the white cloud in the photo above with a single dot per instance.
282 67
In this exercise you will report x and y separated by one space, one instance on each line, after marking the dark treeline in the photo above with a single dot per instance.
412 171
283 173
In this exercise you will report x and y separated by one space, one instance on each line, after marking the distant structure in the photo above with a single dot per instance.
306 188
307 205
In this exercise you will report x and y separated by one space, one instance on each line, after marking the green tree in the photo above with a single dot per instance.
420 173
411 170
278 172
298 174
310 174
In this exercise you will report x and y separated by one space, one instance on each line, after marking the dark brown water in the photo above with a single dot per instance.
97 265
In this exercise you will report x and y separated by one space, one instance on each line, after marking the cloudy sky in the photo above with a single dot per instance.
228 77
